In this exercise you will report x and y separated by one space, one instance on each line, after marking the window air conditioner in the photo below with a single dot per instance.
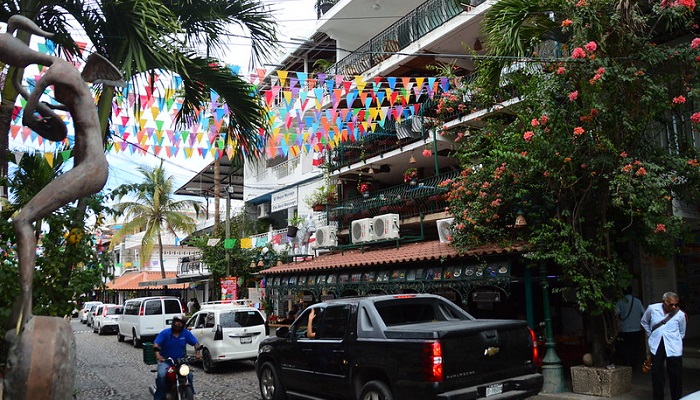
263 210
361 230
326 236
385 227
444 227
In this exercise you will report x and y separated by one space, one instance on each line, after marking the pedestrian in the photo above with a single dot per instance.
190 306
195 305
629 310
665 325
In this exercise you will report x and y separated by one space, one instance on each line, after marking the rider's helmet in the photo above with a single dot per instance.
179 317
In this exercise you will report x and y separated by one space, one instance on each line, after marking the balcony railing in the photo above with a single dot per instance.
418 23
425 197
192 267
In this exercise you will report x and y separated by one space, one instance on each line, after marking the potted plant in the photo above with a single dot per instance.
411 175
321 197
293 226
363 188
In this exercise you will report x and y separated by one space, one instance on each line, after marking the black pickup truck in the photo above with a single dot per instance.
415 346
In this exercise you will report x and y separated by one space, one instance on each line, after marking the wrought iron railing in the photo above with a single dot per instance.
418 23
192 267
407 200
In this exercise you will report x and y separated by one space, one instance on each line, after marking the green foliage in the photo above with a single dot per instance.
326 194
598 147
68 266
154 211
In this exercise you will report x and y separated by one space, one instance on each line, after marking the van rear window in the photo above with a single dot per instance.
172 306
153 307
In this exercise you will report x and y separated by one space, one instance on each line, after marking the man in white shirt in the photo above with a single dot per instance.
665 324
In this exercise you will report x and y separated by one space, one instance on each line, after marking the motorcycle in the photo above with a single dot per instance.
177 384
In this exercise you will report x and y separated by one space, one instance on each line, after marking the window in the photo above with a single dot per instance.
200 320
114 310
249 318
172 306
335 322
132 308
153 307
209 321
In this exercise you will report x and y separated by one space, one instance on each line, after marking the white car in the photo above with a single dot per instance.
83 315
227 331
106 319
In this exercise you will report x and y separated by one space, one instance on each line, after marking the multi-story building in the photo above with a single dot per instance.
359 129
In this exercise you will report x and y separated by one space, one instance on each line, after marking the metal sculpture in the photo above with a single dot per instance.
41 359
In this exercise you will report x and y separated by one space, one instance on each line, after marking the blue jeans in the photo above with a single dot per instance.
161 380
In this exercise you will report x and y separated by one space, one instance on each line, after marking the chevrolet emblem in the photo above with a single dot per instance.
491 351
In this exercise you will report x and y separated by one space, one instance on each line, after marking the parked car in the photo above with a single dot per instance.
106 319
143 318
692 396
227 331
82 316
91 314
408 346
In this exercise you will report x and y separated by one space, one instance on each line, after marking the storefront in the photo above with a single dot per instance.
480 279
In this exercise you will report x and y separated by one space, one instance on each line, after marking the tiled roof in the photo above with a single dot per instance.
413 252
131 280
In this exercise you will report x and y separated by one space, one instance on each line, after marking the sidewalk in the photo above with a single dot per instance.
641 388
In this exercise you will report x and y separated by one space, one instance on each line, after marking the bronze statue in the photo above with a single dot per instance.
41 361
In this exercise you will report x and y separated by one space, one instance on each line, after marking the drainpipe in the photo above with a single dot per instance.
552 370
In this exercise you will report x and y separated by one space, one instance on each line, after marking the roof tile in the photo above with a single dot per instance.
130 281
369 256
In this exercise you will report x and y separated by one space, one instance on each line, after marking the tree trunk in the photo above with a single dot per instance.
160 255
598 336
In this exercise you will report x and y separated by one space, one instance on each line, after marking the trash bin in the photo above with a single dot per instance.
149 356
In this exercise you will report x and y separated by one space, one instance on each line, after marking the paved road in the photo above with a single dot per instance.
108 369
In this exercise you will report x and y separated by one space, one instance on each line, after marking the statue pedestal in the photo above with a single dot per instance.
604 382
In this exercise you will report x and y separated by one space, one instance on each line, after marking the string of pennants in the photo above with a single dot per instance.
294 103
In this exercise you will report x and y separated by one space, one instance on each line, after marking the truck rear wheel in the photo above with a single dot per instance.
270 384
376 390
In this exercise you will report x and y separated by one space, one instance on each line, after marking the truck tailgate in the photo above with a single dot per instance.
477 351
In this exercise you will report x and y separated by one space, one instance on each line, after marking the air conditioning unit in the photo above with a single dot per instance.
444 228
385 227
263 210
326 236
361 230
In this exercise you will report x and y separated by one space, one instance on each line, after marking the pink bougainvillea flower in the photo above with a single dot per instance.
660 228
528 136
544 119
566 22
578 131
427 153
623 154
641 171
561 71
695 43
535 123
695 118
600 71
694 162
578 53
573 95
627 168
591 47
679 100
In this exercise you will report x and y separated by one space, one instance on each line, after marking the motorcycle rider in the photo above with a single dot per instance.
171 343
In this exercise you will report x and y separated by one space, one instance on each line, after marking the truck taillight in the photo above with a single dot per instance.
535 350
432 361
141 311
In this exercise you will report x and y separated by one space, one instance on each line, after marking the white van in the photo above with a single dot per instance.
143 318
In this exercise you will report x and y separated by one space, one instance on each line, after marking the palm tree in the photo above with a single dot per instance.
149 36
153 211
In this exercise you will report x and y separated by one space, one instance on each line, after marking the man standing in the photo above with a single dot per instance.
665 324
629 311
171 343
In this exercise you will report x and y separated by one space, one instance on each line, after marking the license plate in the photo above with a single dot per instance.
246 339
494 389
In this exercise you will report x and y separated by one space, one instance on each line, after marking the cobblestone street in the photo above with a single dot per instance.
108 369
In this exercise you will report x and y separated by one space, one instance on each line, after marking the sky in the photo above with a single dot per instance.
295 18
